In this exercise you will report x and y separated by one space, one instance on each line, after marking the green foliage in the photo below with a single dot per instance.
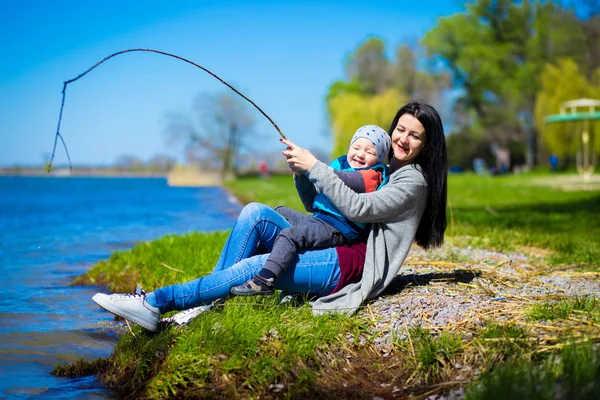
350 111
463 148
505 342
432 355
431 350
562 82
510 331
239 349
158 263
81 367
550 311
245 344
416 83
369 67
496 51
341 87
376 88
573 374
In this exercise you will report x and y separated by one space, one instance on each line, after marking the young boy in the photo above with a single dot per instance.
363 170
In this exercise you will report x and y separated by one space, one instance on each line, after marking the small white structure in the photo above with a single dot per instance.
580 110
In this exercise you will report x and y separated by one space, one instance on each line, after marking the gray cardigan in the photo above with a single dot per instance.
394 211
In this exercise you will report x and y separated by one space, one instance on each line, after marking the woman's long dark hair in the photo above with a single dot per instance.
434 163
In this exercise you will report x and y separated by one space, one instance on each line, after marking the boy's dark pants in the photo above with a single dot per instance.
306 232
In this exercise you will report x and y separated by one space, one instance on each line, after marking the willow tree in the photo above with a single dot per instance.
375 88
559 83
349 111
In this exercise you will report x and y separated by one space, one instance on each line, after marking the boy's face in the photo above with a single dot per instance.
362 154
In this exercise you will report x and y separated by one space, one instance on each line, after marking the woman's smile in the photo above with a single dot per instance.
408 139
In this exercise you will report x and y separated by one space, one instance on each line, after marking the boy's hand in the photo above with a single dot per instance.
298 158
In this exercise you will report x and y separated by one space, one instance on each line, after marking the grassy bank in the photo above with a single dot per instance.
259 348
512 212
502 213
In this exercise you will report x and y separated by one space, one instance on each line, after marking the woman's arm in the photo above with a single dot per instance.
405 188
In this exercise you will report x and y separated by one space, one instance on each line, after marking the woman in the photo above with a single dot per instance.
411 206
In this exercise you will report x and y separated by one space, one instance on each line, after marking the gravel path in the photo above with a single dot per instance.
461 295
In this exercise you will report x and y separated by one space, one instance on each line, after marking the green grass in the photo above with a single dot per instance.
588 307
243 347
510 211
279 190
572 374
501 213
504 342
432 356
186 257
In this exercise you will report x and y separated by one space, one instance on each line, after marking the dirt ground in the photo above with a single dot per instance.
460 296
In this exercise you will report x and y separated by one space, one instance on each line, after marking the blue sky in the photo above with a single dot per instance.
282 55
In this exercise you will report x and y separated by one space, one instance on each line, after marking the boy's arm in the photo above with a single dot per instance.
405 193
306 191
362 181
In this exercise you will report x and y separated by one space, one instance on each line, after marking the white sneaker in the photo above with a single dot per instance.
184 317
133 307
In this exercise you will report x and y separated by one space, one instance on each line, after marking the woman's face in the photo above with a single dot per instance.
408 140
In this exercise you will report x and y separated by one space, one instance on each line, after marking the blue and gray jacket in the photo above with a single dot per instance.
362 180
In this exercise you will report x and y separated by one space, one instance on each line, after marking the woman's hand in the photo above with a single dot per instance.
298 158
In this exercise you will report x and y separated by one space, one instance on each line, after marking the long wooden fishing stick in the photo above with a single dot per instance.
64 91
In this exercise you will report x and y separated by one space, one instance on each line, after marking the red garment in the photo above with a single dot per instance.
352 261
372 179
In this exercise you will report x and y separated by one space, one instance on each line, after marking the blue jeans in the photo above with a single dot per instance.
245 252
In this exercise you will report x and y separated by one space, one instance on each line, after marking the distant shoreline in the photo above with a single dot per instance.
178 177
83 174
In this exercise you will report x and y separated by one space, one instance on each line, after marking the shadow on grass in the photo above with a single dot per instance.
402 281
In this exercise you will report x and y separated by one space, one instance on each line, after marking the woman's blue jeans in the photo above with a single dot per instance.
245 252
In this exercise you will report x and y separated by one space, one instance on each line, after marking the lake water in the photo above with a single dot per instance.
53 229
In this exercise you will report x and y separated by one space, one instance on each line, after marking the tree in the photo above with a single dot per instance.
562 82
221 129
369 67
161 162
350 111
590 11
417 84
496 51
375 89
127 162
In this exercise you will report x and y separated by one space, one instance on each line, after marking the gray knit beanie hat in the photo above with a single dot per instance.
378 136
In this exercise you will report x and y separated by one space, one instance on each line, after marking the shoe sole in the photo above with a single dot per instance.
189 318
102 300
